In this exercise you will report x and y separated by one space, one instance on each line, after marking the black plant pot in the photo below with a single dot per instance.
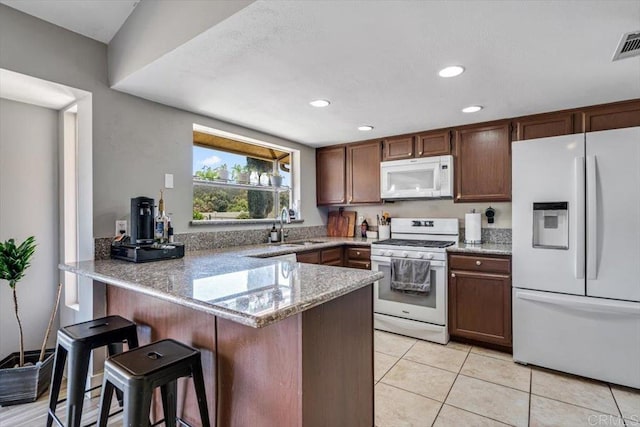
26 384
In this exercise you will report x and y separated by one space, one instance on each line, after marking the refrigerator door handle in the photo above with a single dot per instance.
579 216
592 218
597 305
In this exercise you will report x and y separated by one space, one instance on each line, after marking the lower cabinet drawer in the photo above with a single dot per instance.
358 254
364 265
481 263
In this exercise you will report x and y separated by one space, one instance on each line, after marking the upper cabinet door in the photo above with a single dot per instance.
331 175
483 164
398 148
433 144
616 116
534 127
363 173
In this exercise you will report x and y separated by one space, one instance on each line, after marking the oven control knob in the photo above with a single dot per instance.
405 254
420 255
429 256
388 253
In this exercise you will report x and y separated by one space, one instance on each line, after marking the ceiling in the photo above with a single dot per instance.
96 19
31 90
378 62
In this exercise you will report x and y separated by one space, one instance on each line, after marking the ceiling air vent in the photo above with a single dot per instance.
629 46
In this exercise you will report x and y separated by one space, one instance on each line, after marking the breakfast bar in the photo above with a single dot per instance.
282 343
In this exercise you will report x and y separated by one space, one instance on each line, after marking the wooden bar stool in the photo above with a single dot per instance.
139 371
76 342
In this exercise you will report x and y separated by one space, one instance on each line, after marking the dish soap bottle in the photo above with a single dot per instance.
274 234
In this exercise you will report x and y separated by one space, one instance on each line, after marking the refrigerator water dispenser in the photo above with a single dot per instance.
551 225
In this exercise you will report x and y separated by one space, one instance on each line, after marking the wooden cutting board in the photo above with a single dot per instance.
339 223
351 229
332 224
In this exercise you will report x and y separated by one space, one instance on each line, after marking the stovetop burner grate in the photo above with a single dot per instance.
414 243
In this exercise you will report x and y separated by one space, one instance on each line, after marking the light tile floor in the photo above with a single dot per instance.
420 383
424 384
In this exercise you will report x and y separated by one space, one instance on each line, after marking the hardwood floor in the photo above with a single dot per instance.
32 414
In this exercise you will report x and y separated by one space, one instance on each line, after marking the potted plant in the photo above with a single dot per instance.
276 179
241 174
24 376
223 172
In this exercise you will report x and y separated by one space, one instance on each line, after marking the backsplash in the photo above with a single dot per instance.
220 239
492 235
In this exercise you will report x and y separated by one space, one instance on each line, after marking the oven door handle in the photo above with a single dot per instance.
386 260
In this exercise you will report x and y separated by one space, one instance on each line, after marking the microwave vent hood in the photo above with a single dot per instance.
420 178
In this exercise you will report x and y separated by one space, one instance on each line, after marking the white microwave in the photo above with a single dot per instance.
428 177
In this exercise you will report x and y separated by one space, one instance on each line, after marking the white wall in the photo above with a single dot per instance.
29 206
135 142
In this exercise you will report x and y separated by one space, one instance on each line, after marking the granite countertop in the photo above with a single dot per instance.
235 283
482 248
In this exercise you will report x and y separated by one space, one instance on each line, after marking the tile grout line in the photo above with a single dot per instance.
491 382
616 402
480 415
395 363
573 404
530 389
452 384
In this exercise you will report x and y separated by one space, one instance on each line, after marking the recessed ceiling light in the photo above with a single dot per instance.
365 128
452 71
320 103
472 109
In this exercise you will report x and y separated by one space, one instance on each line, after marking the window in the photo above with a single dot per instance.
234 179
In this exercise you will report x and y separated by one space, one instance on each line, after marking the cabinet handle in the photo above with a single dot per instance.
419 153
410 153
478 262
357 252
350 199
453 274
367 264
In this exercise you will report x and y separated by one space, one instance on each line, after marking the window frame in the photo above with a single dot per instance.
293 189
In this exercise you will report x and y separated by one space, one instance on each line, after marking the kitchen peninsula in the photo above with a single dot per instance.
283 343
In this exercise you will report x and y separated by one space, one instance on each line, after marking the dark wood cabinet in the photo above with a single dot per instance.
398 148
328 256
424 144
357 257
348 174
331 175
433 143
483 163
612 116
544 125
331 256
480 298
308 257
363 173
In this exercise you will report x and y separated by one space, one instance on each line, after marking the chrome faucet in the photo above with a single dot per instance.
284 217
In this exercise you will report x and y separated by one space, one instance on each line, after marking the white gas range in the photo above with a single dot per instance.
419 314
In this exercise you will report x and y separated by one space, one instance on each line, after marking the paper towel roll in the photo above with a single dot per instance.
473 228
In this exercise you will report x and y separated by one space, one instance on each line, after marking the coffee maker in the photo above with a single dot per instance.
140 245
142 221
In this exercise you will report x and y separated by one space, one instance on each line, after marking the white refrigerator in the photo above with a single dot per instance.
576 254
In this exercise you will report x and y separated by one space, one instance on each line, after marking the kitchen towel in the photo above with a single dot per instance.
411 275
473 228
